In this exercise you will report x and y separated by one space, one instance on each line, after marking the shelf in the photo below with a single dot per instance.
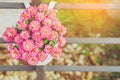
63 68
88 40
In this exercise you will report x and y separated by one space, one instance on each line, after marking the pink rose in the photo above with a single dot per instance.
28 45
14 53
34 25
25 34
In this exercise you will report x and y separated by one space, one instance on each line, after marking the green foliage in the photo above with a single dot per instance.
41 48
98 78
46 41
92 23
52 43
87 23
16 27
115 75
86 52
28 21
99 60
16 46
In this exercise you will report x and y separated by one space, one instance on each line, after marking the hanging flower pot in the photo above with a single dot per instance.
38 36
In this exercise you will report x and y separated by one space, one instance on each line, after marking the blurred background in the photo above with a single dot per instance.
79 23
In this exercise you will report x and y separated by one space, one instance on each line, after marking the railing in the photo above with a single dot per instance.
41 69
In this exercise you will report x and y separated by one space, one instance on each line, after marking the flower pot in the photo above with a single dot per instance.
49 58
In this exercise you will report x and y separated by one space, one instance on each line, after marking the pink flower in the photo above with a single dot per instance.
24 54
32 10
20 46
34 51
42 7
32 60
47 22
22 25
39 16
36 36
10 47
52 35
63 31
11 32
39 43
42 56
14 53
56 53
17 39
25 34
45 31
25 16
28 45
61 41
6 37
48 48
51 14
57 25
34 25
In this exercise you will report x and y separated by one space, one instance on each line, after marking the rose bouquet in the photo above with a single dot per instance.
37 35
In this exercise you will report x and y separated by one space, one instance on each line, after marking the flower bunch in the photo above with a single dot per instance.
37 34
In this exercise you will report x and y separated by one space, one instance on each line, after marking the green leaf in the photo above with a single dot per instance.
56 39
41 48
16 26
31 19
52 43
16 46
46 41
98 60
27 21
86 52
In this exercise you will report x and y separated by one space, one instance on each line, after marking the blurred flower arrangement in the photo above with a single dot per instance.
37 34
